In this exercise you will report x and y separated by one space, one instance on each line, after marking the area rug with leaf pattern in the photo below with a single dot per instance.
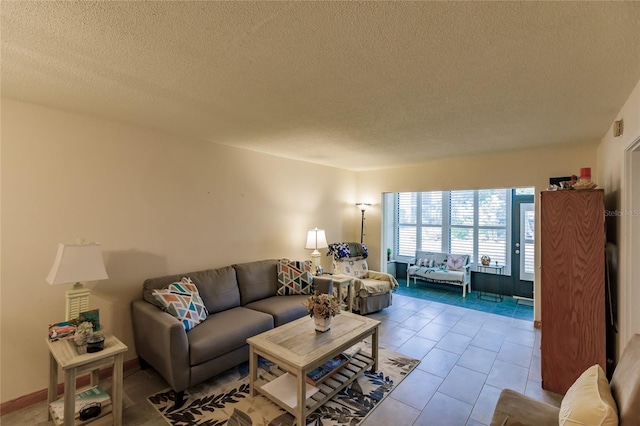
225 400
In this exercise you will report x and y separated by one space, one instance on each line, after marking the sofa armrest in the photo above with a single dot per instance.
374 283
383 276
323 284
514 408
161 341
467 274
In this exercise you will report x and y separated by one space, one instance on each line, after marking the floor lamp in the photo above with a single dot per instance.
362 207
75 263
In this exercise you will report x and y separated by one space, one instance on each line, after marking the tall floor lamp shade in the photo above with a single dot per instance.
316 239
362 207
75 263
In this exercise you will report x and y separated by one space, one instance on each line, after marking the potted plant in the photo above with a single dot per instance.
322 307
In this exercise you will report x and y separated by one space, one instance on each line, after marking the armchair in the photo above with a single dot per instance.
371 290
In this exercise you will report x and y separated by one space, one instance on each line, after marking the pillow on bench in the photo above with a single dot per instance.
456 263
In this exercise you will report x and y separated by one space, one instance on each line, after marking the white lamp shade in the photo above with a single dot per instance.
316 239
363 206
76 263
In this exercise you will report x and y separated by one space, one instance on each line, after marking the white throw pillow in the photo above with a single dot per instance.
589 401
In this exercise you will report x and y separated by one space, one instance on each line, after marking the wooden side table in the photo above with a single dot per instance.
342 281
64 354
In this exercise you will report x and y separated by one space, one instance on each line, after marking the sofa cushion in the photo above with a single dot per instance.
181 300
589 401
437 274
256 280
224 332
294 277
283 308
217 287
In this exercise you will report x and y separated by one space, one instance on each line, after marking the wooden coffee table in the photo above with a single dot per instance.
297 348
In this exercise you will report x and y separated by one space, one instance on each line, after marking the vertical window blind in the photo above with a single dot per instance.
461 222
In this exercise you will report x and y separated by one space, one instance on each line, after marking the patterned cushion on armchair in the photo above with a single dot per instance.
341 251
352 268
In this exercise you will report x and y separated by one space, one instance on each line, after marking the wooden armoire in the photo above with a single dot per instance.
573 285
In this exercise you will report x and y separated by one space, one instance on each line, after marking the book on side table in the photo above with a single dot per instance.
83 399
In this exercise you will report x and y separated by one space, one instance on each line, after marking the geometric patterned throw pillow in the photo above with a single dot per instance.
182 300
295 277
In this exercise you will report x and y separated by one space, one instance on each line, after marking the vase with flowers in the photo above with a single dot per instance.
322 307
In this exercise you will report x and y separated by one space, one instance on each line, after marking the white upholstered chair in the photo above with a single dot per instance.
371 289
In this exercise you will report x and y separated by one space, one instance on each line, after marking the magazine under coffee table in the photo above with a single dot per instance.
297 349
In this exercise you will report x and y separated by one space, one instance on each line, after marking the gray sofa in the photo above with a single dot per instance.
242 302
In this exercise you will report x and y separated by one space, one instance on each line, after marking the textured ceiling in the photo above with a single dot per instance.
355 85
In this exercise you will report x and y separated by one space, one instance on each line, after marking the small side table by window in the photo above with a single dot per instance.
344 281
64 354
494 270
391 268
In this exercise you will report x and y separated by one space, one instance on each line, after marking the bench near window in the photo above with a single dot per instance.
442 268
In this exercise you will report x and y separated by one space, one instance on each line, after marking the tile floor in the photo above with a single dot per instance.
467 357
452 295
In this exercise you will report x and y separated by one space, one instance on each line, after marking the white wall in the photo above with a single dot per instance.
162 204
615 175
158 204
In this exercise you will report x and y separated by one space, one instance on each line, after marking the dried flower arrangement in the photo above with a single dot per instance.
83 332
322 306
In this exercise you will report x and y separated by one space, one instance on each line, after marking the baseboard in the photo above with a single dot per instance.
41 395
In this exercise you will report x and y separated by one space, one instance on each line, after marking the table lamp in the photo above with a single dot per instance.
316 239
75 263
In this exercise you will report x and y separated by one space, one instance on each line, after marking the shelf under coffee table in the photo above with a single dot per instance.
297 348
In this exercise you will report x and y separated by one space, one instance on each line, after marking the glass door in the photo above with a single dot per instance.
527 238
522 245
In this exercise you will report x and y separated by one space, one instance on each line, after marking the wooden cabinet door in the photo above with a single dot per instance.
572 287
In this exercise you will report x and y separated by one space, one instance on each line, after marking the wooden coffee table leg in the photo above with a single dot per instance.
302 392
374 349
253 371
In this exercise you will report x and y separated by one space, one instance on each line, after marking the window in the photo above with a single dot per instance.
474 222
431 219
407 223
